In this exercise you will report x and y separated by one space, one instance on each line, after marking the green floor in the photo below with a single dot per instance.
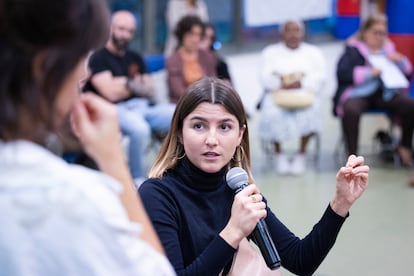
378 237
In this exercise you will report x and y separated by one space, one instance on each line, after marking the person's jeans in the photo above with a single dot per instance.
137 119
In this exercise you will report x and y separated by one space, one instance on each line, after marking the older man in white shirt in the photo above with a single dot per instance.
293 73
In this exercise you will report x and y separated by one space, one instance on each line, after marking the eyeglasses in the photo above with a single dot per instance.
379 33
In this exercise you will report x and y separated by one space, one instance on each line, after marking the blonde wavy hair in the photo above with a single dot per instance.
378 18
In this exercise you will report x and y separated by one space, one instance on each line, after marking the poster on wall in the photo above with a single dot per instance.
272 12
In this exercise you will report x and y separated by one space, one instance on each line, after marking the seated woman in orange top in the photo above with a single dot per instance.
188 63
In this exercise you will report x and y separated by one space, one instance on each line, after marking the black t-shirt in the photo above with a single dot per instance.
129 65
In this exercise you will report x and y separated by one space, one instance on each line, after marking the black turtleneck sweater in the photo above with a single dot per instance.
189 208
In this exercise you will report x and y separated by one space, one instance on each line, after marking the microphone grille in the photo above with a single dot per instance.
236 177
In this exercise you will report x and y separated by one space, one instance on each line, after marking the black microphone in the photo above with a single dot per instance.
237 180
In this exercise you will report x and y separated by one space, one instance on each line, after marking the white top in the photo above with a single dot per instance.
61 219
392 77
307 59
282 125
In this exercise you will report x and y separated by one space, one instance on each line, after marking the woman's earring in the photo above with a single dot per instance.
181 150
239 154
181 157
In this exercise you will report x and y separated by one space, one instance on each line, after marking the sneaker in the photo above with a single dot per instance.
298 164
282 164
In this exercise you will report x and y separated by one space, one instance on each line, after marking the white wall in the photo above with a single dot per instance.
272 12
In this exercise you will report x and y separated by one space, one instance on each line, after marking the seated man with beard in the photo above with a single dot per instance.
120 76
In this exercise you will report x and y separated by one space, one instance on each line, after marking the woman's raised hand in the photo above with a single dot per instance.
94 121
351 182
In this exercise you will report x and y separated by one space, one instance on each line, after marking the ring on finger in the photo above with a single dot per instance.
254 198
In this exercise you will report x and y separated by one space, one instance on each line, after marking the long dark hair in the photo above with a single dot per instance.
41 42
210 90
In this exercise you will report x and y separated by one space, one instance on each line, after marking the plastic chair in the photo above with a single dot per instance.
155 66
340 150
268 146
154 63
269 150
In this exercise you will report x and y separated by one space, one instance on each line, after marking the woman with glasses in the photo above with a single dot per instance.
361 84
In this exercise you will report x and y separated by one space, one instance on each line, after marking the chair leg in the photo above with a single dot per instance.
156 140
340 149
267 147
395 142
317 153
